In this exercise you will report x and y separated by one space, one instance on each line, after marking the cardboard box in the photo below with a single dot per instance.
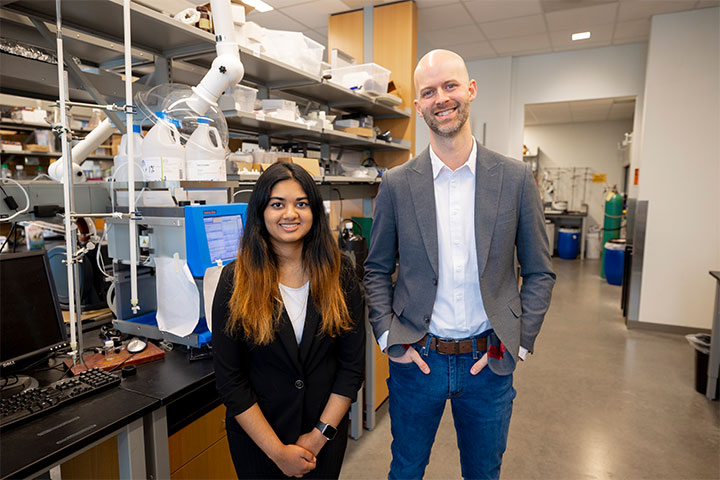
311 165
361 131
31 147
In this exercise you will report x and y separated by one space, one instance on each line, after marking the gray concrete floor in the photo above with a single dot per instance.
595 401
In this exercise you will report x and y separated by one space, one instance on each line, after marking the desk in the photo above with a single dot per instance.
35 447
570 219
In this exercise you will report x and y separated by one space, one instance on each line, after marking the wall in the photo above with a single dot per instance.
584 144
675 144
491 106
506 84
681 172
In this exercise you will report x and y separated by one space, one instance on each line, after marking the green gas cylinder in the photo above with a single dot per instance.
613 220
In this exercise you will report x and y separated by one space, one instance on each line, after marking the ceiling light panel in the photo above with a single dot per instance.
601 36
259 5
580 36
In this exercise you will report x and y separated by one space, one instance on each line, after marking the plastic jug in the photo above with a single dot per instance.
163 156
120 167
205 154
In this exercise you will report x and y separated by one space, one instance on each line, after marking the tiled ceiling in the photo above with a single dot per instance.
619 108
479 29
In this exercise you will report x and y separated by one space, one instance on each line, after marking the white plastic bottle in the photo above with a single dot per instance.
163 156
120 162
205 154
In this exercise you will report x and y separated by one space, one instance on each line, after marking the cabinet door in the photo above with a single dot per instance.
197 437
100 463
215 462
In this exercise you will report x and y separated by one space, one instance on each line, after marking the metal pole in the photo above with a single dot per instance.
131 158
67 191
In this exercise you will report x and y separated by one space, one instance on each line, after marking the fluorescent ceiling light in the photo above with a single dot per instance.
259 5
581 36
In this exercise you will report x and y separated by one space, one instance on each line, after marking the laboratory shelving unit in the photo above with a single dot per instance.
166 50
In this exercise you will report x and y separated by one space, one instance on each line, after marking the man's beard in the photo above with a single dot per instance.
463 112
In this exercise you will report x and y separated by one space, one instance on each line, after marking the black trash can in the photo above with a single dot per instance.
701 342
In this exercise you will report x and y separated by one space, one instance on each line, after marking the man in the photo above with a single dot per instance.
456 216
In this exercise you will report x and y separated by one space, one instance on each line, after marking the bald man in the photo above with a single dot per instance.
454 325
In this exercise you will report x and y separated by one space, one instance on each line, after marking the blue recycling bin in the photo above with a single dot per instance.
614 262
568 243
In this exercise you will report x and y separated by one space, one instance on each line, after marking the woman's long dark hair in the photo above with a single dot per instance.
255 306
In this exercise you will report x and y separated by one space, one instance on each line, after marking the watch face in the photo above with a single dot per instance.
328 431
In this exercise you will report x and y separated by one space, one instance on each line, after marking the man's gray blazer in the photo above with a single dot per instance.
508 215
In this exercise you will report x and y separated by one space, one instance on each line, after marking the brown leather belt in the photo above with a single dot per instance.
451 347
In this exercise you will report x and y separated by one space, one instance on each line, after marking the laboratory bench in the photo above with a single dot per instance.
166 421
172 397
35 447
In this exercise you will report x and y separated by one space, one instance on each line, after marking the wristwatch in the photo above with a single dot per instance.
328 431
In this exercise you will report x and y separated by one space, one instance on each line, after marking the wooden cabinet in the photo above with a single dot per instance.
200 450
98 463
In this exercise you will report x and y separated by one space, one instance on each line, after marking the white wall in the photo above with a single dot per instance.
506 84
491 106
681 169
675 130
585 144
607 72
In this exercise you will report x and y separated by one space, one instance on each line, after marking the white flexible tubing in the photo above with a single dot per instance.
130 157
83 149
27 200
67 186
227 69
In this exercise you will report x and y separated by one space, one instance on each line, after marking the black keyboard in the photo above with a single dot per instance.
35 402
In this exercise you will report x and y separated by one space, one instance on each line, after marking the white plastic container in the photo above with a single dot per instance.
120 162
270 104
369 78
295 49
238 98
593 247
163 156
550 232
205 154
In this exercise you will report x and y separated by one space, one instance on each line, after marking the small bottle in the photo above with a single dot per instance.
20 172
205 22
6 171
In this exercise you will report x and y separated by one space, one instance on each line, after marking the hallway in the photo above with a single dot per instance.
595 401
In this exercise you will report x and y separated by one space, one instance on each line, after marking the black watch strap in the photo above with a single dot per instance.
328 431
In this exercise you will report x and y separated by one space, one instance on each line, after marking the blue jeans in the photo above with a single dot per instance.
481 408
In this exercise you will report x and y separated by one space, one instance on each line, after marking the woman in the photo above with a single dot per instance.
288 335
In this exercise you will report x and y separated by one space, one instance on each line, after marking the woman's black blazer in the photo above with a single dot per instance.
291 383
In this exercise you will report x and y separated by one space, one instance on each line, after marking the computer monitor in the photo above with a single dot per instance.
212 234
31 323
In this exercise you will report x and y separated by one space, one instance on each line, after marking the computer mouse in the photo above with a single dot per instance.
136 345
